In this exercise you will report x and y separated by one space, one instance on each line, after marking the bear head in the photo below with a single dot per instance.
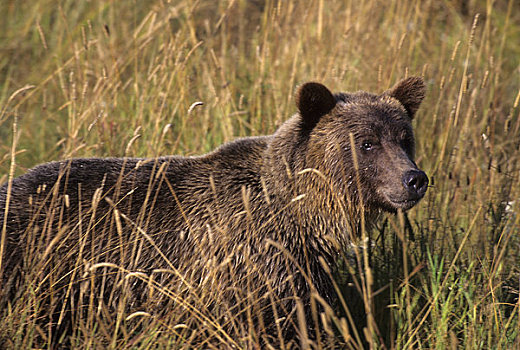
364 142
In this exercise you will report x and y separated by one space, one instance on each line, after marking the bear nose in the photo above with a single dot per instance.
416 182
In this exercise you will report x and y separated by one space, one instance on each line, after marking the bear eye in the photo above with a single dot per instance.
406 143
367 145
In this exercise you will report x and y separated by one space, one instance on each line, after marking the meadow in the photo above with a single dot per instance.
147 78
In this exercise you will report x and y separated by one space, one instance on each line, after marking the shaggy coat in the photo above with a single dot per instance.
260 218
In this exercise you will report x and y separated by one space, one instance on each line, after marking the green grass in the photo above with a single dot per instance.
118 78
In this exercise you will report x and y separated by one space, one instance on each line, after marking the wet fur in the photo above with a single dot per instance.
263 213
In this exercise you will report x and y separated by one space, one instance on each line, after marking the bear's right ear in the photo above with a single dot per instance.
313 100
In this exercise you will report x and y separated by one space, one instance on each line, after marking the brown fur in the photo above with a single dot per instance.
257 214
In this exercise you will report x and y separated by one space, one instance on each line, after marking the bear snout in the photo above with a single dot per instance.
416 182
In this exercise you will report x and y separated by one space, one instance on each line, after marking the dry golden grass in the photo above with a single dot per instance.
121 78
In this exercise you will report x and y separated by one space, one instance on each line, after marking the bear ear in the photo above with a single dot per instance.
410 92
313 100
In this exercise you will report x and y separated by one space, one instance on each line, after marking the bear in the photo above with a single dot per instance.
256 224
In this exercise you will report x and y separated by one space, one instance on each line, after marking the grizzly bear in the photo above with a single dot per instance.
243 237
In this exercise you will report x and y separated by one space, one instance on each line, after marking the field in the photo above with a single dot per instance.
148 78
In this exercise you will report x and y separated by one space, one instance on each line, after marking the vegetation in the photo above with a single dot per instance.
127 78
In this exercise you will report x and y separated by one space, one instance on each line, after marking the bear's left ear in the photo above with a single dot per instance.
410 92
313 100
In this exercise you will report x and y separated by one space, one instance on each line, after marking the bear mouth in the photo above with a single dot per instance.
402 203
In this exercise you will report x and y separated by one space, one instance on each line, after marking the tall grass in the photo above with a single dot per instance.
97 78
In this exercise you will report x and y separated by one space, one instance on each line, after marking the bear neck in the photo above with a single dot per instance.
321 218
